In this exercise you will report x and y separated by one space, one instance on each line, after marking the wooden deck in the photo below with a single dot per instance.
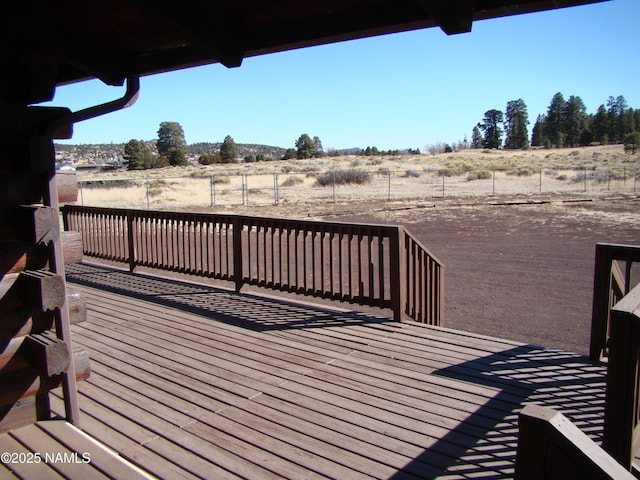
190 381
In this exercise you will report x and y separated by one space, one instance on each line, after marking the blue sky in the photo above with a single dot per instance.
404 90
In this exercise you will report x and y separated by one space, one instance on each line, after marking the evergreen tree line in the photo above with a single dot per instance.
565 124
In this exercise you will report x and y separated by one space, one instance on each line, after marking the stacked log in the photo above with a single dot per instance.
35 306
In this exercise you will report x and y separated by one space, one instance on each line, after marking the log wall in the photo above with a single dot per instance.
36 308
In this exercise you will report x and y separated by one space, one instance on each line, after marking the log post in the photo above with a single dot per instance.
47 353
42 289
21 321
238 274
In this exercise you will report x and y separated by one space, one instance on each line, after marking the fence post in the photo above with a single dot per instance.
334 186
130 241
443 175
245 193
585 179
213 190
389 186
540 189
494 183
238 274
276 192
397 274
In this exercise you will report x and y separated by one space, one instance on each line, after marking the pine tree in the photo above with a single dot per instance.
517 119
575 116
537 132
228 150
491 128
138 155
600 125
171 143
554 123
476 137
305 148
317 148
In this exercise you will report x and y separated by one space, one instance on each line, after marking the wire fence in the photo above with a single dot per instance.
350 185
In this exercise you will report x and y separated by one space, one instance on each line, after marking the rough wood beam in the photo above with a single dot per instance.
19 322
24 189
46 353
57 36
30 223
453 16
42 289
28 382
210 28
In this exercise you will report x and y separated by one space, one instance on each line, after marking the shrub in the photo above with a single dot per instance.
220 180
479 175
343 177
209 159
412 173
451 172
292 181
522 172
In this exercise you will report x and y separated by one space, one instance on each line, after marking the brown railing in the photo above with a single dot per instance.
611 283
621 436
375 265
551 447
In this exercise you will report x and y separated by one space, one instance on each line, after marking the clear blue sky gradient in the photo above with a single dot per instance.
404 90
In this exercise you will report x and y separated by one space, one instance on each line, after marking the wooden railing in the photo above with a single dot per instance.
621 436
611 283
374 265
551 447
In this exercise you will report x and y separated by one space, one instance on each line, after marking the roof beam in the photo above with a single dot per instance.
207 27
453 16
55 38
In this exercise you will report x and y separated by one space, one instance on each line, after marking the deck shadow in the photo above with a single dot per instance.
241 309
568 382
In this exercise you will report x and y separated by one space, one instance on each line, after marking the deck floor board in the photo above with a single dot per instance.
190 381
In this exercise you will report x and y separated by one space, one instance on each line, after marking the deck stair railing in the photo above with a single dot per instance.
621 435
615 336
546 436
612 281
374 265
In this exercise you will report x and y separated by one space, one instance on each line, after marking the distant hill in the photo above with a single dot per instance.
112 152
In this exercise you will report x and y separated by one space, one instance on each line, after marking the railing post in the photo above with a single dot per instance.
130 241
397 274
439 321
65 218
238 276
620 416
601 299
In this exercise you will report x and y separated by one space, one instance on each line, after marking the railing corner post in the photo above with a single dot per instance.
600 307
398 274
237 252
130 241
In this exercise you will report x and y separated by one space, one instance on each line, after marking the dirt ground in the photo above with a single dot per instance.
516 268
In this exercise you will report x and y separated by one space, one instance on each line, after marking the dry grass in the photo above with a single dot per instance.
397 177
